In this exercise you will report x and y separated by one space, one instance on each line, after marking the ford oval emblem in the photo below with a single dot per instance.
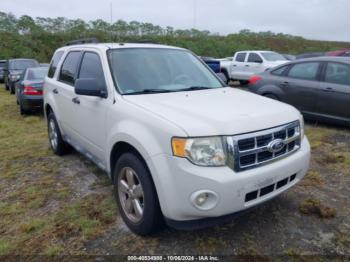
275 145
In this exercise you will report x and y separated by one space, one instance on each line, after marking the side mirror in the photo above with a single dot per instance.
223 77
90 87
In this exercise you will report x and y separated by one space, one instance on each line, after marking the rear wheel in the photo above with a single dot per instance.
22 110
136 195
12 89
58 145
6 87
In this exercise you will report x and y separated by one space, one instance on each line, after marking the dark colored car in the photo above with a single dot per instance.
14 69
310 55
29 89
289 57
318 87
2 66
347 54
338 52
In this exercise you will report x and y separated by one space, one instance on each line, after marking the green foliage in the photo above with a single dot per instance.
39 37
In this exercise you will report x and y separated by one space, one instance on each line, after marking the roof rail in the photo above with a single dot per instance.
83 41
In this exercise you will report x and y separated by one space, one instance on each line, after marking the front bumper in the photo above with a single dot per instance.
176 179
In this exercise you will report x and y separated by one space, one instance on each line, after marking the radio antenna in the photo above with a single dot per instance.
111 13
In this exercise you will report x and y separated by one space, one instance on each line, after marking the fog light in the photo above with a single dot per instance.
201 198
204 199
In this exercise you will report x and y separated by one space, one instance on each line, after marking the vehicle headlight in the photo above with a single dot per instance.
301 122
205 151
14 77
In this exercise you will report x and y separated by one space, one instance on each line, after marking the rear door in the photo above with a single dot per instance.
238 66
64 93
301 85
334 94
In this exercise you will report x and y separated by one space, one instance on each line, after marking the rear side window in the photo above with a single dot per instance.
91 67
254 58
241 57
69 68
338 74
54 62
280 71
307 71
2 64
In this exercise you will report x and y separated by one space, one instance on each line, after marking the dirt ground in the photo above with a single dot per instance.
64 205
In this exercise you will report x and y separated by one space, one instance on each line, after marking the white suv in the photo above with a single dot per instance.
179 146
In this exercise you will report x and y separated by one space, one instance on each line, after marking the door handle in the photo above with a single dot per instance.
234 65
284 84
247 65
328 90
55 91
76 100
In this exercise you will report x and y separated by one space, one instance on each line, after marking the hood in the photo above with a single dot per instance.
15 71
224 111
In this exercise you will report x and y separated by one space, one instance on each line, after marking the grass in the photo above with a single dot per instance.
312 206
39 213
312 179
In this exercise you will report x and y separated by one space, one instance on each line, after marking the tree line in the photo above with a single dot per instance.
38 37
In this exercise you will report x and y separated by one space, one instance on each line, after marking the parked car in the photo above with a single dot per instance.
44 64
342 52
247 63
2 66
310 55
14 69
347 54
29 89
215 65
318 87
178 145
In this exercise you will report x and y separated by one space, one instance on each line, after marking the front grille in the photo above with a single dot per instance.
255 149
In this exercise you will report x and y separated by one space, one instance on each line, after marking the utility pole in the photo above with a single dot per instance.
194 14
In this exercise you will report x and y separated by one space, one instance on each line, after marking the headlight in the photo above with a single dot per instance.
14 77
205 151
302 132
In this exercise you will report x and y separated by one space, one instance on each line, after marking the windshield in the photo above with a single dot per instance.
22 64
272 56
36 74
137 70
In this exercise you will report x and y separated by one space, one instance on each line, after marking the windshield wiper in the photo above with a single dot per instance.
150 91
194 88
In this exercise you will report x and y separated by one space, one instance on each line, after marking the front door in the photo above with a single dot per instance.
334 94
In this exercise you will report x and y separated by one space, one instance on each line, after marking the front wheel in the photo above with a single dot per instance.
136 195
12 89
58 145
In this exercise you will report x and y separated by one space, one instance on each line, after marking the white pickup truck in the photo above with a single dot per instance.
244 64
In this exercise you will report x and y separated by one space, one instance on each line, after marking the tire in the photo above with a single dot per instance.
58 145
243 82
22 110
6 87
129 198
271 96
12 89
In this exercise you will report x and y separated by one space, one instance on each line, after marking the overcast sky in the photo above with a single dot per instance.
313 19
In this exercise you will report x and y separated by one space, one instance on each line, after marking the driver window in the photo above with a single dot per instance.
254 58
91 67
338 74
